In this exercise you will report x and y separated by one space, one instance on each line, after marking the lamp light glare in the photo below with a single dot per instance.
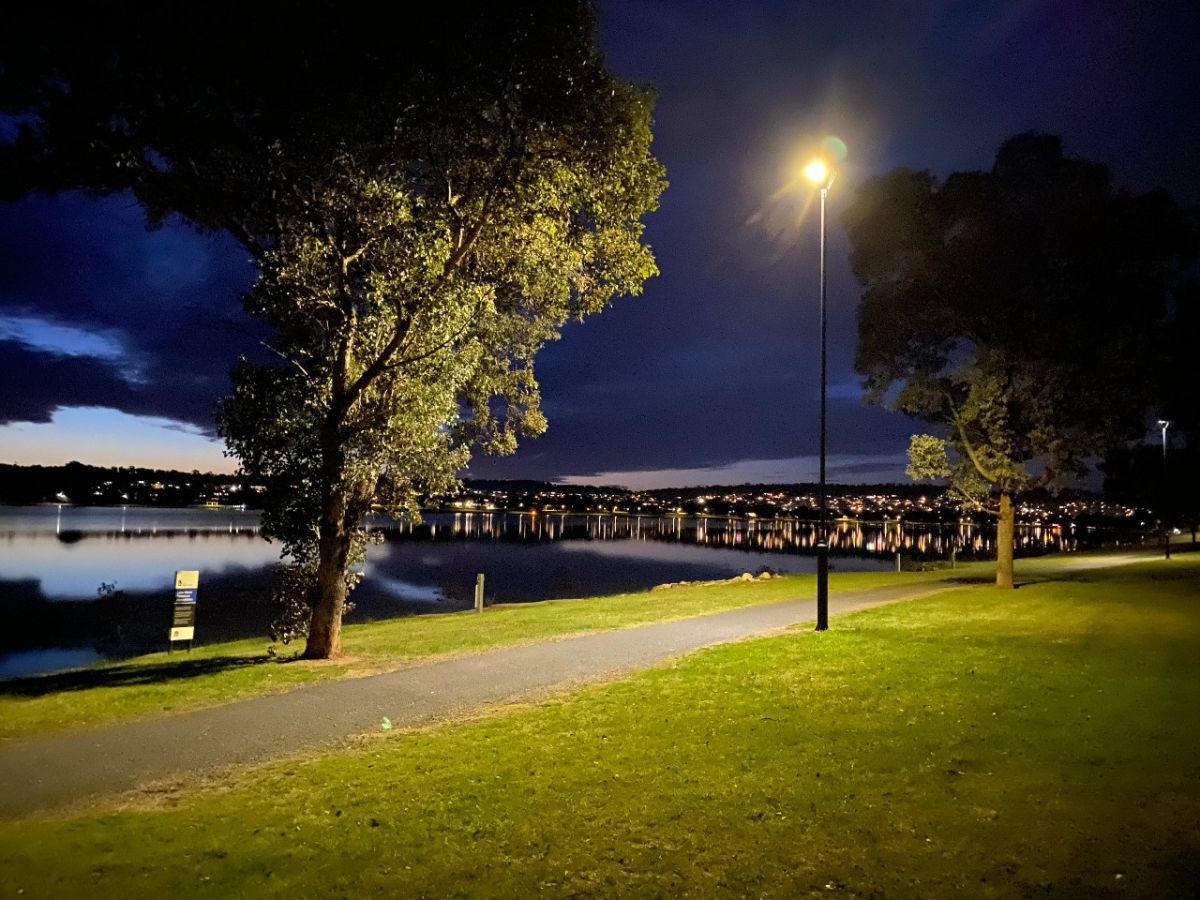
817 172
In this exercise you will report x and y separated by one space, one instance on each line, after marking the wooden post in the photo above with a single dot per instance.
479 592
897 560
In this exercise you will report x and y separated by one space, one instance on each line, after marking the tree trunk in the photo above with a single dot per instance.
1004 542
325 628
333 555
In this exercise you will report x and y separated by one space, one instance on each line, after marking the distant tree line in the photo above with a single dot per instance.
84 485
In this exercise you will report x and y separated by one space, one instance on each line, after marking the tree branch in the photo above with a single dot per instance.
341 372
446 343
348 261
284 356
966 444
381 362
467 239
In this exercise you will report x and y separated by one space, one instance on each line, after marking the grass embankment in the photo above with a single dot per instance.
157 683
1032 743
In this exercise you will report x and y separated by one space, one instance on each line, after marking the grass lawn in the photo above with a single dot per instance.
1041 742
219 673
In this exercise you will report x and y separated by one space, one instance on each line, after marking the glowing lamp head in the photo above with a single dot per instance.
817 172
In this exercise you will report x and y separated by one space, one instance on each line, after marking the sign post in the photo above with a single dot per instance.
183 617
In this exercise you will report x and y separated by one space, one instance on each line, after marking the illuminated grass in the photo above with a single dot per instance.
1033 743
219 673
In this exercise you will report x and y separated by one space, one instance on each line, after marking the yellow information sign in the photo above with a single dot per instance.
183 621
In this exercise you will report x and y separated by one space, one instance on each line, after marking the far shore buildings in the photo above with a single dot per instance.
80 484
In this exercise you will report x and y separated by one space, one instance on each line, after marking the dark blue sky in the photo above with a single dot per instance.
711 375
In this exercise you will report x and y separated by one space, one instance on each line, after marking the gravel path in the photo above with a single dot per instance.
48 772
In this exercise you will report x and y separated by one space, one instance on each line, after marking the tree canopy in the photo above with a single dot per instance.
1019 309
427 207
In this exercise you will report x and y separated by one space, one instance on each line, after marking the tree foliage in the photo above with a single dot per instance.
1018 309
427 207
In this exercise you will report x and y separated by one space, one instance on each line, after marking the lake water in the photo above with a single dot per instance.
52 558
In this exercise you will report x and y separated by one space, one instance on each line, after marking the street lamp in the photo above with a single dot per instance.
820 174
1164 424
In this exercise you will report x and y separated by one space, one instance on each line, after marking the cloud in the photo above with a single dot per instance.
37 383
845 468
60 339
99 311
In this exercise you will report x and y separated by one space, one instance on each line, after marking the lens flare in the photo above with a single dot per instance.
835 147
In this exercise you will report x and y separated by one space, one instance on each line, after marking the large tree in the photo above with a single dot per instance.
1018 310
427 205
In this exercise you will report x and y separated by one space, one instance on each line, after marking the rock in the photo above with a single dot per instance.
746 576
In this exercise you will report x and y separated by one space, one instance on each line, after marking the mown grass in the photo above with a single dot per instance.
157 683
973 744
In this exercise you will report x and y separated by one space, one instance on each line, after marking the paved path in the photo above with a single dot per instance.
53 771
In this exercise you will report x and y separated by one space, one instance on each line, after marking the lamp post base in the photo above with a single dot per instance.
822 586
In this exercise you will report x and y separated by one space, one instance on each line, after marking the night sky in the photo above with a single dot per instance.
115 342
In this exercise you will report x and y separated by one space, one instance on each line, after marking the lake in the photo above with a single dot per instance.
54 560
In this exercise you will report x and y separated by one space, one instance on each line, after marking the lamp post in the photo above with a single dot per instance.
821 175
1164 424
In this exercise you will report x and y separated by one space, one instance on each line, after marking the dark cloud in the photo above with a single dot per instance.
35 383
170 297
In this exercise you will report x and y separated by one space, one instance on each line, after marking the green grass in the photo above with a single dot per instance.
1041 742
158 683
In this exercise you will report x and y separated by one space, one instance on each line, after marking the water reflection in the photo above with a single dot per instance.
846 536
74 569
134 521
64 553
30 662
50 556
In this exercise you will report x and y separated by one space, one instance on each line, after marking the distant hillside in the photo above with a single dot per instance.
84 485
904 489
